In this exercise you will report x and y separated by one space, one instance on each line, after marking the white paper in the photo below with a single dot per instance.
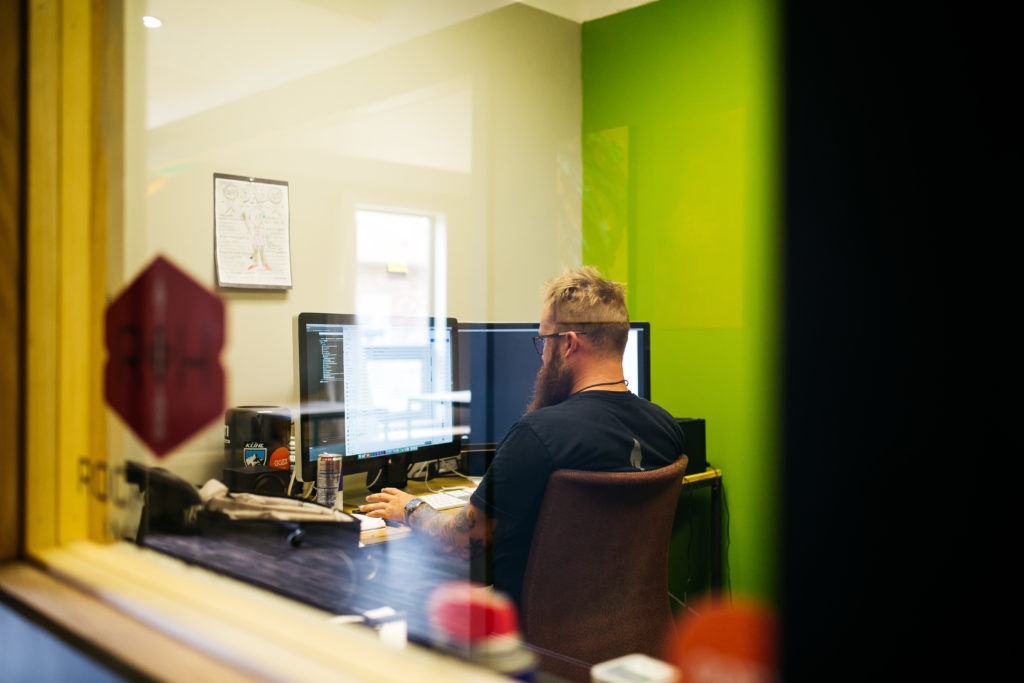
252 232
369 523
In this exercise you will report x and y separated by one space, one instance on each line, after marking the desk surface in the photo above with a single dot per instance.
329 569
356 495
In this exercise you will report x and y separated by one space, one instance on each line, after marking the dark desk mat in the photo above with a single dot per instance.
327 571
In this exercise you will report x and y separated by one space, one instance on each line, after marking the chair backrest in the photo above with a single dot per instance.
596 583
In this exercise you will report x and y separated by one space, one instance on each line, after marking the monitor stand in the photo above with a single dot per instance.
392 473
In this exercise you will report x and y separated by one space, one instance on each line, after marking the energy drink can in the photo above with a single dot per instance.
328 478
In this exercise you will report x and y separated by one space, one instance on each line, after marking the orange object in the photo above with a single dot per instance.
279 459
723 642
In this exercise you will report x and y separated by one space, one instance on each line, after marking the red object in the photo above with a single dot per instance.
464 612
164 335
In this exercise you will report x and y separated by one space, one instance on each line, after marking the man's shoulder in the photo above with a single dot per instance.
571 408
652 407
598 430
590 407
595 409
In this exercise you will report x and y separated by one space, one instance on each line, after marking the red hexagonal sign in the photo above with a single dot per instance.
164 336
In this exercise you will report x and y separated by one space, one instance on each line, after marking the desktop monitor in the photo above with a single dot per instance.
373 388
498 364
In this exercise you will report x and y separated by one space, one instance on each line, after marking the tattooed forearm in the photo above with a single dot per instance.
465 533
464 521
422 517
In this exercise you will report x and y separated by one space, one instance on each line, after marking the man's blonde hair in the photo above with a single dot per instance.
583 301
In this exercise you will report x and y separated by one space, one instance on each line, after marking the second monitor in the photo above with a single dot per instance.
497 363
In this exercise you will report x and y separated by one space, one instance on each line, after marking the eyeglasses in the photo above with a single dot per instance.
539 340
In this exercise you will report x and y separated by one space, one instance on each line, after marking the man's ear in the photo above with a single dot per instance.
572 344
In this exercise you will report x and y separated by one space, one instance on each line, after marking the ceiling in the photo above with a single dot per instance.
207 54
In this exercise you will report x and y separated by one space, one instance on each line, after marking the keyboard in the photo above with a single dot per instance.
445 500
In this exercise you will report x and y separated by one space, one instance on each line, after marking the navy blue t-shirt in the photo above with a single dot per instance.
604 431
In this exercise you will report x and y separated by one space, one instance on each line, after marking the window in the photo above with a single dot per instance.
401 262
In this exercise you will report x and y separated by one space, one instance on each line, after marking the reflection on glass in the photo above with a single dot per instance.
432 160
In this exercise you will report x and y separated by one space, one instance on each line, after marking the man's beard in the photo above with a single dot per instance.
553 384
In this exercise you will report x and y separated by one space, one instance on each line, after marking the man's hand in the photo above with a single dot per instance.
389 504
467 533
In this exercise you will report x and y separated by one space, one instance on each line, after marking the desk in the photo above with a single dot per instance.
329 570
711 477
335 574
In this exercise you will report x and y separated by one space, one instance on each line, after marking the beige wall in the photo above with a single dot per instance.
478 122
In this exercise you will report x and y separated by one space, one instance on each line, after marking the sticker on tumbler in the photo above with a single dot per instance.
255 455
280 458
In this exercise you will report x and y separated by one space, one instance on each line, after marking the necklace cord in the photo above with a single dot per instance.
601 384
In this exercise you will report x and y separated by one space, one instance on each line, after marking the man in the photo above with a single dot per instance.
582 416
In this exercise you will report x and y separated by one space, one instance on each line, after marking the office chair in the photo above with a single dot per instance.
596 583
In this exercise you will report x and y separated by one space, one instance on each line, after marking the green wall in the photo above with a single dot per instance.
680 186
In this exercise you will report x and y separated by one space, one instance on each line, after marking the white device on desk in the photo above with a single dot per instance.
446 499
635 668
369 523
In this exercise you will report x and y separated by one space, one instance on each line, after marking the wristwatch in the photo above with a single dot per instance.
411 506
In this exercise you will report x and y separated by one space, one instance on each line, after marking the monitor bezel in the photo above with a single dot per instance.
645 371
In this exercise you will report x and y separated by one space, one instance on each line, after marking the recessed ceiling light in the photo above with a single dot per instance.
151 22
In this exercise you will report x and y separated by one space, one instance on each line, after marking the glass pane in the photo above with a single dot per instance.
342 177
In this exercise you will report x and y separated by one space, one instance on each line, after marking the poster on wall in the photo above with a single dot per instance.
251 232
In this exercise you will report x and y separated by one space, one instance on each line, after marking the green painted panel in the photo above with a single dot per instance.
680 201
690 197
606 201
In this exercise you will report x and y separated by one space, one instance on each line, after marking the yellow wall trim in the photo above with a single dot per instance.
65 274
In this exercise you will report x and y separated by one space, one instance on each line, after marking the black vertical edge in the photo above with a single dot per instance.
895 282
